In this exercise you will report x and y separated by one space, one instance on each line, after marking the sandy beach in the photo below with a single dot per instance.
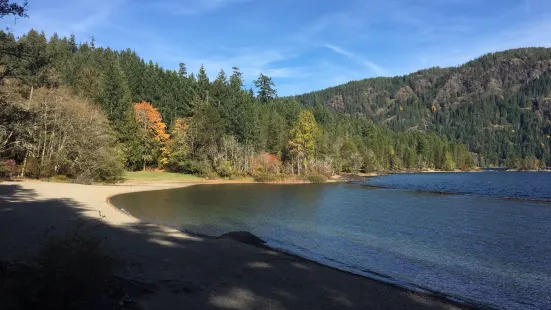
189 271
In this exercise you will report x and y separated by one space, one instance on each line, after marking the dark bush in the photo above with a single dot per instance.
8 169
69 273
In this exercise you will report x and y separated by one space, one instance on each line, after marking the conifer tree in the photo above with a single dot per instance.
203 84
265 88
115 97
182 70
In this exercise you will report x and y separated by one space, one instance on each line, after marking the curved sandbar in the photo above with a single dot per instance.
192 271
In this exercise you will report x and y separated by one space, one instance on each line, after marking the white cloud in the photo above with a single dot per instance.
340 50
373 67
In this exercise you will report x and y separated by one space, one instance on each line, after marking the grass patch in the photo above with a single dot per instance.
150 176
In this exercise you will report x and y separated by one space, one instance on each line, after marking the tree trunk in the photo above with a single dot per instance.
45 139
51 150
43 151
22 175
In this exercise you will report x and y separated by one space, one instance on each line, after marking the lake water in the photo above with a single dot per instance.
468 246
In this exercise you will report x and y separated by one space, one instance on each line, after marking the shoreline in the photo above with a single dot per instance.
407 287
337 178
90 196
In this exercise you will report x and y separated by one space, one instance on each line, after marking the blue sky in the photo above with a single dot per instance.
303 45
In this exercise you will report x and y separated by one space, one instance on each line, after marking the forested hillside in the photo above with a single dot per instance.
87 112
499 104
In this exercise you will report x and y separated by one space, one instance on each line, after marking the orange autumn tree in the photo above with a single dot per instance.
154 132
265 163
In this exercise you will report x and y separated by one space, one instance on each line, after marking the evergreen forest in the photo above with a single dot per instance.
89 113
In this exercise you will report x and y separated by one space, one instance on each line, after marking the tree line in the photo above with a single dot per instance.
89 112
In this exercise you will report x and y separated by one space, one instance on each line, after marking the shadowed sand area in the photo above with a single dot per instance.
190 272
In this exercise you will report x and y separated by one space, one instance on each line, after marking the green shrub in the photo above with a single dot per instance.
224 169
32 168
267 177
322 167
84 178
197 167
110 168
211 175
239 176
318 178
178 161
3 171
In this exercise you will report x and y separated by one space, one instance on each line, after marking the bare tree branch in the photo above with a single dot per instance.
13 8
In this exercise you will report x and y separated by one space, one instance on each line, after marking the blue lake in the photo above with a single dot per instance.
468 244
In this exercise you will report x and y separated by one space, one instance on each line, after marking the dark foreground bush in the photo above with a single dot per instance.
316 178
69 273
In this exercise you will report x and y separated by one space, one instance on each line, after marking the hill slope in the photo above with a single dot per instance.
499 104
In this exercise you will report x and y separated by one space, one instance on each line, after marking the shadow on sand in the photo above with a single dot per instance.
197 272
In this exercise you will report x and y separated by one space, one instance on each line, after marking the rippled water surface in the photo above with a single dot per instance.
523 185
476 248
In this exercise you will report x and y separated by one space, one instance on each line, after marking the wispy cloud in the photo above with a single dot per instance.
67 17
195 7
373 67
340 50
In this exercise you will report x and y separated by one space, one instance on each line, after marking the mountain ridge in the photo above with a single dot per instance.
505 92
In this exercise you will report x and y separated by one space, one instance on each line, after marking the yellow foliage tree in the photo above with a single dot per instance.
179 145
302 140
154 128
